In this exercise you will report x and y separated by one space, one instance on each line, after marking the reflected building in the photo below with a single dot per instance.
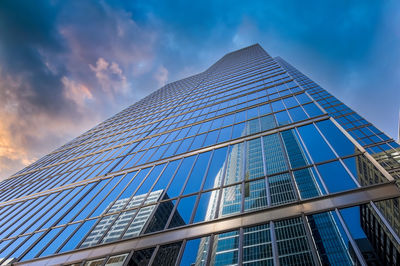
367 251
247 163
277 189
132 222
380 235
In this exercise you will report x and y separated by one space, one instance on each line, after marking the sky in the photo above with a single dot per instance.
65 66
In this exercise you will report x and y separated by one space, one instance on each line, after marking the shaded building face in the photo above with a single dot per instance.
247 163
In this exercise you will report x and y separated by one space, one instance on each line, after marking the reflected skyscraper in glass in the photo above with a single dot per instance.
247 163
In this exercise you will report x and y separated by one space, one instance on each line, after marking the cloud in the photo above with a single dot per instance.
109 76
247 33
78 93
60 75
161 76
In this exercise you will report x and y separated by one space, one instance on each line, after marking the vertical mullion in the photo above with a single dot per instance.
265 173
353 244
274 244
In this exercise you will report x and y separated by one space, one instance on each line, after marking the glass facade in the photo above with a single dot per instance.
247 163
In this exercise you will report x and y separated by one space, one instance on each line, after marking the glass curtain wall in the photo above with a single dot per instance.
249 137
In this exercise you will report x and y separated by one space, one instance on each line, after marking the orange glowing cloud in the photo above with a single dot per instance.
76 92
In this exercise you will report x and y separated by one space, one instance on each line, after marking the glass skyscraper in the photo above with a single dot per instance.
247 163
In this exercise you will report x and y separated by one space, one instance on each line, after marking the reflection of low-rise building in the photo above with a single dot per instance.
132 223
390 160
7 261
381 237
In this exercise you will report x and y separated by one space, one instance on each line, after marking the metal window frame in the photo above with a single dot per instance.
330 202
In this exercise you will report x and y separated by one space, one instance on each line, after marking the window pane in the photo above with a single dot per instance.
179 179
167 254
281 189
128 191
51 249
117 260
257 246
267 122
290 102
292 247
198 142
162 212
307 183
83 213
234 169
254 160
225 134
13 243
98 231
141 257
120 224
282 118
111 197
183 213
312 109
295 152
190 255
78 235
255 196
133 186
336 177
342 145
72 198
303 98
297 114
241 116
196 176
253 126
231 200
317 147
211 138
24 246
151 178
185 144
227 245
207 206
79 204
274 154
214 174
330 239
239 130
166 176
277 106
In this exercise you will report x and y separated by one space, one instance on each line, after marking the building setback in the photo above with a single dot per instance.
247 163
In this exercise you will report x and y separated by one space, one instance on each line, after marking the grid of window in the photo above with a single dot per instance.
249 134
256 245
374 140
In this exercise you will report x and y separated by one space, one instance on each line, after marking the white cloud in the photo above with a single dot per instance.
161 75
77 92
110 76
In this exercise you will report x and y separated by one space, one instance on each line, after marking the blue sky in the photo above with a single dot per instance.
67 65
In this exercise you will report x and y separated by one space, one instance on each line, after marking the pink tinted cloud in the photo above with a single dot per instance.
94 71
